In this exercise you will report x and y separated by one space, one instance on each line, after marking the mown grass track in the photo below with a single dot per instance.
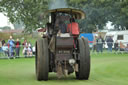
106 69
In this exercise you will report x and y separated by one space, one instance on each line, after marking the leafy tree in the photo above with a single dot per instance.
26 11
95 14
120 14
98 12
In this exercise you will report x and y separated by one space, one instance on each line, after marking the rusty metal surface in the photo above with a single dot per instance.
63 57
64 42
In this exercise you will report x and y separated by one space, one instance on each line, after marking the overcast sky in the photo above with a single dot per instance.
4 21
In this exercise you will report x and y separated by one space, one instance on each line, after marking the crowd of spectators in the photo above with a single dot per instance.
99 44
12 48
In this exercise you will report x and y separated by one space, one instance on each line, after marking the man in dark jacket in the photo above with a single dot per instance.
109 43
100 43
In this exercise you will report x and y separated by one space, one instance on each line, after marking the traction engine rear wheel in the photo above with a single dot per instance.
42 59
84 62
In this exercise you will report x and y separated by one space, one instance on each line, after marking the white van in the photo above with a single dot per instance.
120 36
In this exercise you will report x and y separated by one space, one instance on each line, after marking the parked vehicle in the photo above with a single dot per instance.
90 38
120 36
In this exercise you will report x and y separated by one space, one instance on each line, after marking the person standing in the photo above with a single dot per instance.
0 45
109 43
11 45
100 43
17 44
94 48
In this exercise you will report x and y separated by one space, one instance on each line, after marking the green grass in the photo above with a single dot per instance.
106 69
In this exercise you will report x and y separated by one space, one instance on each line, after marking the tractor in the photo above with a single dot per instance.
71 53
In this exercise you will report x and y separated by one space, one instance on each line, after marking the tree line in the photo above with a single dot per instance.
98 12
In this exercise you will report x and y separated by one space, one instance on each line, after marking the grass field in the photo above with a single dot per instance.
106 69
